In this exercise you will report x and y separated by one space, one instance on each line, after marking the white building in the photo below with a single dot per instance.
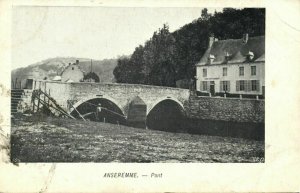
234 66
72 73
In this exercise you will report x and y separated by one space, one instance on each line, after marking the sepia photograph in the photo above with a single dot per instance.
138 84
149 96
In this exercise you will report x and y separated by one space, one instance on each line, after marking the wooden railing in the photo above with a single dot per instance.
41 101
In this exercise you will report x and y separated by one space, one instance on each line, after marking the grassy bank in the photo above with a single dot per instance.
48 139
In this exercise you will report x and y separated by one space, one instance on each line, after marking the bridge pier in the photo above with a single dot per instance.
137 113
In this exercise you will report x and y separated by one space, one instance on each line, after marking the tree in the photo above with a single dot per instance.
167 57
204 14
91 76
122 70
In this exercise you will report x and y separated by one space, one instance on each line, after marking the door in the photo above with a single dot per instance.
29 84
212 88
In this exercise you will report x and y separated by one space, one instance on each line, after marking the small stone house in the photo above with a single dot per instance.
234 66
72 73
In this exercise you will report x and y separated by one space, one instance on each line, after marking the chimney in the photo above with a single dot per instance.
77 62
245 38
211 41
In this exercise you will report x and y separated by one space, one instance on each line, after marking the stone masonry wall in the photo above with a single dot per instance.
123 94
58 90
226 109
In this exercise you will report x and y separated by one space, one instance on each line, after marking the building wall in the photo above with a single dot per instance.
72 72
215 73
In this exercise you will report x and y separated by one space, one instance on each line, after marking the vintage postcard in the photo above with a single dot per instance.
142 96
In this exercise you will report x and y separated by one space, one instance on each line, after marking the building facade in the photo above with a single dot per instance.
233 66
72 73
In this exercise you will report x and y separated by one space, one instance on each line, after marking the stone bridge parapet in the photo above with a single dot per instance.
120 94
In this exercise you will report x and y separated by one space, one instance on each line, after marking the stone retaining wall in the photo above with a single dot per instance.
226 109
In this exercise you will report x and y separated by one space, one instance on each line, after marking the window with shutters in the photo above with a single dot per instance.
254 85
224 86
225 71
253 70
241 71
204 72
240 85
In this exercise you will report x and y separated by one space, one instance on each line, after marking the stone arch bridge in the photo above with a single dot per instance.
162 107
72 95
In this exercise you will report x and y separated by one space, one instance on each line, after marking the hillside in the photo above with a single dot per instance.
54 66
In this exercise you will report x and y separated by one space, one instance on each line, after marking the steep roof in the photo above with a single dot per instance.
261 58
70 66
235 51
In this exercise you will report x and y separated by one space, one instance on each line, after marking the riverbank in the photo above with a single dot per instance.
49 139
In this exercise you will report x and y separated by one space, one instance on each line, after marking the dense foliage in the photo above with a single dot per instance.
167 57
91 76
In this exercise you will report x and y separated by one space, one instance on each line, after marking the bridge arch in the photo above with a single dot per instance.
96 97
109 105
167 114
163 99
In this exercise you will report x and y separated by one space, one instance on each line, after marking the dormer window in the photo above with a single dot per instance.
250 55
227 56
211 58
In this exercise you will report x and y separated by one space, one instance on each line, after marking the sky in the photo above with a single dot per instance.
39 33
